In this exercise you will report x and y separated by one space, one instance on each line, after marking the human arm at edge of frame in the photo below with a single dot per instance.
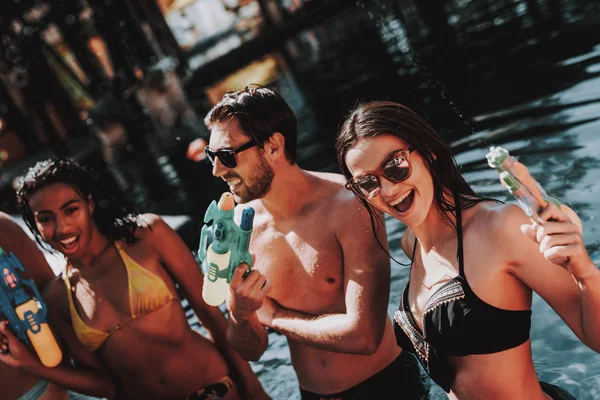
14 239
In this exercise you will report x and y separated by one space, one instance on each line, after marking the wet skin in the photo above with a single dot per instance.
15 382
502 266
318 261
157 355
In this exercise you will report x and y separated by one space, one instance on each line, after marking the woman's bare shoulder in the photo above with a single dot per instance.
148 226
498 225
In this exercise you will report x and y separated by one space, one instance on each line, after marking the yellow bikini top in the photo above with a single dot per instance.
147 293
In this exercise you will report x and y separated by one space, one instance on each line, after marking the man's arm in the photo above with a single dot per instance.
245 333
366 272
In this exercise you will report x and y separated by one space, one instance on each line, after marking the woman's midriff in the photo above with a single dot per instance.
158 355
326 372
506 375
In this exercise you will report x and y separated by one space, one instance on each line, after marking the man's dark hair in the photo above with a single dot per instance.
260 112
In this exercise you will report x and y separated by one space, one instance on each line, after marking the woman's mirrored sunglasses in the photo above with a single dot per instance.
395 168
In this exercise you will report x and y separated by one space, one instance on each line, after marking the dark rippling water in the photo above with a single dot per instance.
498 74
541 102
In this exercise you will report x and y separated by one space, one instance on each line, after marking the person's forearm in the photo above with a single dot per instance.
240 368
215 323
248 337
79 379
333 332
590 298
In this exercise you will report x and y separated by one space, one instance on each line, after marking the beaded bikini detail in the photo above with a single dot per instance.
403 320
456 322
451 291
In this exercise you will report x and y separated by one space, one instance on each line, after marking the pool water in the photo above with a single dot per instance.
544 108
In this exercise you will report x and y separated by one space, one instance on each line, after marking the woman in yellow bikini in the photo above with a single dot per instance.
117 305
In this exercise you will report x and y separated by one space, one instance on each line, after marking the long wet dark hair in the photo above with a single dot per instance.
112 220
372 119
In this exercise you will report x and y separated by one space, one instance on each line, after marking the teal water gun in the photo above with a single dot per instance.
223 246
26 315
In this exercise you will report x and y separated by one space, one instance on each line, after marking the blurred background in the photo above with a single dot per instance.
124 85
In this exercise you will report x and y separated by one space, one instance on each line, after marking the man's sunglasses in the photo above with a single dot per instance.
227 156
396 168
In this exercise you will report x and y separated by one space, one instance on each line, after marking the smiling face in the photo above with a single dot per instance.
252 176
408 201
64 218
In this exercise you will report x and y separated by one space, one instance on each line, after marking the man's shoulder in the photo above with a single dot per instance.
332 186
329 177
333 194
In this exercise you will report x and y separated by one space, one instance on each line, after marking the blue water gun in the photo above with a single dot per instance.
223 246
26 315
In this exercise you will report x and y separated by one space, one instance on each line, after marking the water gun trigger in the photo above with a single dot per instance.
247 272
247 259
26 313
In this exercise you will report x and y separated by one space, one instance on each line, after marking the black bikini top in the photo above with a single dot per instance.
456 322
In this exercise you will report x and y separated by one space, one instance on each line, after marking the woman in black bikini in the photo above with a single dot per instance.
466 310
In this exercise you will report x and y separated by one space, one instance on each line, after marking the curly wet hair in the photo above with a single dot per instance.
113 220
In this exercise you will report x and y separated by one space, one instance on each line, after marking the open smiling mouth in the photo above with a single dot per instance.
70 244
234 184
403 203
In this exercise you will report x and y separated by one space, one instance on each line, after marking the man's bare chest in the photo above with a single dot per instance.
299 264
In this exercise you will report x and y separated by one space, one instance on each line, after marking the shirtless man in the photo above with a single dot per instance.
319 278
16 383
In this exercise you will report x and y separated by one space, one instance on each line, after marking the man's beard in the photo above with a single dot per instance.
260 182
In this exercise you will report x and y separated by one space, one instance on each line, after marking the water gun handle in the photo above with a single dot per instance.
39 334
26 315
242 253
521 172
528 202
